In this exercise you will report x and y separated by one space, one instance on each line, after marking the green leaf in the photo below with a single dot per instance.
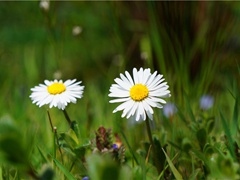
228 134
64 170
201 156
194 174
202 137
186 144
70 138
210 125
165 168
75 127
235 128
159 158
177 175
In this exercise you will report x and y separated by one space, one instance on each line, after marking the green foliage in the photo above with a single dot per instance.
174 170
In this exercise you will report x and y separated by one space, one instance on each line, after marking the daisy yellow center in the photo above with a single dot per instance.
139 92
56 88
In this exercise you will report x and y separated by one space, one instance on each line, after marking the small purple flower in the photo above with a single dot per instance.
169 110
85 178
206 102
115 146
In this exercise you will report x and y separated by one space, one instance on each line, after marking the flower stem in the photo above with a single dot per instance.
154 148
149 132
50 120
67 117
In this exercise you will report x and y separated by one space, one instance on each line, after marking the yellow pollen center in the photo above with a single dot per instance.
56 88
139 92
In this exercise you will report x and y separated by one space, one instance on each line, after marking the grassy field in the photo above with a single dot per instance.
195 45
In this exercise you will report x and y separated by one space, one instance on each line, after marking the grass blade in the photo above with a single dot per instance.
68 175
180 114
235 128
228 134
177 175
42 155
130 148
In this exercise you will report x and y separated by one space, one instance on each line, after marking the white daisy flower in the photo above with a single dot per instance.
139 94
56 93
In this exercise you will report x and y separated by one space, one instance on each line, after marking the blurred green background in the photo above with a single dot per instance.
195 45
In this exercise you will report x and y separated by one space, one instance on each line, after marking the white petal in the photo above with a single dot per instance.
158 85
135 76
119 100
150 115
69 82
119 93
146 75
128 108
151 78
147 107
122 106
157 100
129 78
122 84
133 110
159 93
126 80
155 80
140 75
140 113
47 82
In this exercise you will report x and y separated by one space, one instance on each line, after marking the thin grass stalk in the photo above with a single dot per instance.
54 149
130 148
55 137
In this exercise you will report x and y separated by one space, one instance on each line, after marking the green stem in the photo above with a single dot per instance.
67 117
154 149
149 132
50 120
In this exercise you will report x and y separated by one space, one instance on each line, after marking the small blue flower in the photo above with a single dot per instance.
115 146
85 178
206 102
169 110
